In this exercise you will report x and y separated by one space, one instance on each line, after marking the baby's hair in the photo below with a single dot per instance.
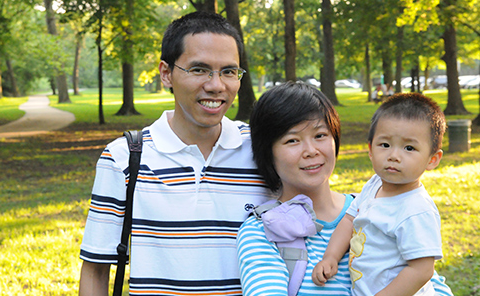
412 106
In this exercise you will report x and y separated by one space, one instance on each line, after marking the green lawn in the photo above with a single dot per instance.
46 183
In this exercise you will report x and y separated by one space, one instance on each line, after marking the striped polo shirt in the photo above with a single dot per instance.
186 210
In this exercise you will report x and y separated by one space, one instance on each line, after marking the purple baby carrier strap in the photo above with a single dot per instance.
287 224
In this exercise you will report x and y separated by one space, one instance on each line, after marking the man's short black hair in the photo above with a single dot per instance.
195 23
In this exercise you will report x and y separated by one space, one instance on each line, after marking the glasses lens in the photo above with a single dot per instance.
199 71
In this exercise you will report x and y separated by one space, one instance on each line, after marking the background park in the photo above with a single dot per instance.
98 59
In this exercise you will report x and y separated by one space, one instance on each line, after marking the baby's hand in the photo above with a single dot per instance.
324 270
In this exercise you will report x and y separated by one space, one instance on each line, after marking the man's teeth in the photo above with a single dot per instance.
312 167
211 104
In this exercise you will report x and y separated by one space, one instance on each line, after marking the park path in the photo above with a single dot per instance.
39 118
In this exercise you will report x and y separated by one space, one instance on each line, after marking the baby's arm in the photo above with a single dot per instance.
337 247
414 276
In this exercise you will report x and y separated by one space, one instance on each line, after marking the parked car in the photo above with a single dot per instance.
464 80
352 83
440 81
406 82
270 84
313 81
474 83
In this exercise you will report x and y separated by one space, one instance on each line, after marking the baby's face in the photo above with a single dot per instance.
401 151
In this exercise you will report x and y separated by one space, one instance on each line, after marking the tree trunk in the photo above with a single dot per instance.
53 85
1 89
11 76
158 83
387 68
328 72
290 46
426 74
246 96
399 59
368 73
454 104
75 75
61 78
128 107
261 81
101 117
206 5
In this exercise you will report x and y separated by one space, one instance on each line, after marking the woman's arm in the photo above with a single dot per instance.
262 270
441 288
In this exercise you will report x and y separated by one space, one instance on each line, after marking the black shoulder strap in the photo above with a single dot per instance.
134 139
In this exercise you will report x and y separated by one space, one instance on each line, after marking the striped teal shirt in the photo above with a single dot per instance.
263 272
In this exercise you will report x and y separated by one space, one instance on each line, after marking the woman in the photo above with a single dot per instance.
295 141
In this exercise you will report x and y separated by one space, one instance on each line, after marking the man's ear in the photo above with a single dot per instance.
165 74
435 160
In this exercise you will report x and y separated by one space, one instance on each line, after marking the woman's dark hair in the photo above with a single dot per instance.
276 112
194 23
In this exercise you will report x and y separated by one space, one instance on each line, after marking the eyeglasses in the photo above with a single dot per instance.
229 74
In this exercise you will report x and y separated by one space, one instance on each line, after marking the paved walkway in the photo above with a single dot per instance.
39 118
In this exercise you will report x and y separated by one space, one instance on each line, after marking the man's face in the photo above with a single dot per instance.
202 102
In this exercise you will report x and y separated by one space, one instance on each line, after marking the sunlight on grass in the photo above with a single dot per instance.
44 195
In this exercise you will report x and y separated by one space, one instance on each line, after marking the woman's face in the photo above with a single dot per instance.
304 158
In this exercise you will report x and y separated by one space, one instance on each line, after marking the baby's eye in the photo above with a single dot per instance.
384 145
409 148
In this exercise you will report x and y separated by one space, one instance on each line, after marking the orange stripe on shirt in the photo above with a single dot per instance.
183 233
107 210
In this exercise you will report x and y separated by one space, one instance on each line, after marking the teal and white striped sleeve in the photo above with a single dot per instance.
262 270
441 288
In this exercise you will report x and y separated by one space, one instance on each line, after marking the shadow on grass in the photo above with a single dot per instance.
46 184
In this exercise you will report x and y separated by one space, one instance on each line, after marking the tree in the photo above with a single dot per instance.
246 96
127 56
61 78
454 103
290 46
328 70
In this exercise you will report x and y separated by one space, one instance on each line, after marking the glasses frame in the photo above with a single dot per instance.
211 72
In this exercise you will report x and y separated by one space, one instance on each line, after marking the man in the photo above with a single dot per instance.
197 180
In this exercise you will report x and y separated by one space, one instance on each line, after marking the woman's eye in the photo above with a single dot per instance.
289 141
319 136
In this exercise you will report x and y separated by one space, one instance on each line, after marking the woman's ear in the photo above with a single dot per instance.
165 74
435 160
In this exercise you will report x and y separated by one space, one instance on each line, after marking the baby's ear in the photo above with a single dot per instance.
435 160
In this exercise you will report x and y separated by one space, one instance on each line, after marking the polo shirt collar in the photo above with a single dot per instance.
167 141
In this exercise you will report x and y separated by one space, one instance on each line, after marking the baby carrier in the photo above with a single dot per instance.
287 224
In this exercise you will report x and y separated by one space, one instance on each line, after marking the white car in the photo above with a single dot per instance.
313 81
474 83
352 83
464 79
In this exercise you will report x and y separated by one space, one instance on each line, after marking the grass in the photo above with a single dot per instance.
46 183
